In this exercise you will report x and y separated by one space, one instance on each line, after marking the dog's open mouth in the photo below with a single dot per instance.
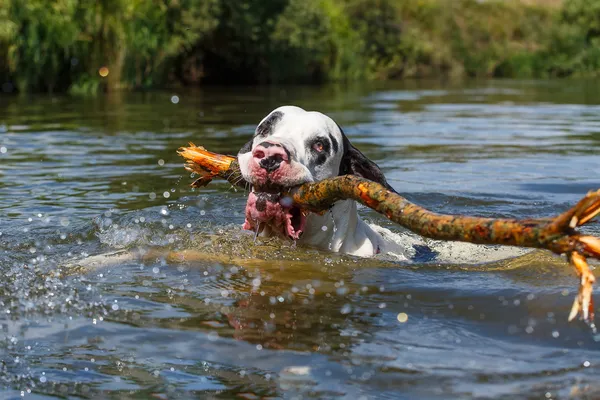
268 207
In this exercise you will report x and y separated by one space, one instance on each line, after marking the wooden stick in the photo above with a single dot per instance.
555 234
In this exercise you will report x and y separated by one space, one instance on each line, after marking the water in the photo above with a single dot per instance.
121 281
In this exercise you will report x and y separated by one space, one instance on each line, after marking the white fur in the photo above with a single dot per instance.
340 229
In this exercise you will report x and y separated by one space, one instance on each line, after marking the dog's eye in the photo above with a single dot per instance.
318 147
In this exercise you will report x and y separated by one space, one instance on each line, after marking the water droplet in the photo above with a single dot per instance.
189 225
286 201
529 330
43 379
172 369
174 99
256 282
586 364
402 317
152 196
341 291
324 228
94 321
161 162
346 308
156 270
259 347
555 334
3 150
202 212
115 307
164 211
166 195
382 305
224 293
142 219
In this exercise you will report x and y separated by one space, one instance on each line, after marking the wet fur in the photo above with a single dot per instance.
340 229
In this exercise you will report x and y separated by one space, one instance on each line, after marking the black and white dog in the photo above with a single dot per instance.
290 147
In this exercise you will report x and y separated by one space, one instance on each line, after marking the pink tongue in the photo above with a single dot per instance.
263 207
266 208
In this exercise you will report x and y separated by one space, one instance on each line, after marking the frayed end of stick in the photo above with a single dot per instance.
583 212
583 304
204 163
199 159
592 207
590 245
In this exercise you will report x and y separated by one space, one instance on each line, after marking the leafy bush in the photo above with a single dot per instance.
61 44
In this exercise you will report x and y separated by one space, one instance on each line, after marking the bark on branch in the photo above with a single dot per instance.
555 234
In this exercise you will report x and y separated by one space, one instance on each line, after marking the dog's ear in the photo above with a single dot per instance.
247 147
356 163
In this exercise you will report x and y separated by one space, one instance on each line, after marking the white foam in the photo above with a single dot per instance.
399 246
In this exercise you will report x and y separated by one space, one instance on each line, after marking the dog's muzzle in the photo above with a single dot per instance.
270 155
266 205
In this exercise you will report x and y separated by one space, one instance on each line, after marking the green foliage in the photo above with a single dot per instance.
315 41
61 44
575 45
240 46
41 39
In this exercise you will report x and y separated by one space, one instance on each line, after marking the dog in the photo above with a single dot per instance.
291 147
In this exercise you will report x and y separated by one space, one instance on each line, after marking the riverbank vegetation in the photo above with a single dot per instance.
91 45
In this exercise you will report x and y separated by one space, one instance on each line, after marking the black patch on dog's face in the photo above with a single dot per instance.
247 147
267 126
321 156
334 143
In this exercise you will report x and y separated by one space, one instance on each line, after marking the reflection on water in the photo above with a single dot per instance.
121 281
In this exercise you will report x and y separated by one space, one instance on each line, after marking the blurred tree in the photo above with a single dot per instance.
63 44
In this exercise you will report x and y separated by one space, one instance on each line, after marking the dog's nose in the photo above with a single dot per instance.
270 155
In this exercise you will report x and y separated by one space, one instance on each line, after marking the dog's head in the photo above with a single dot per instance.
290 147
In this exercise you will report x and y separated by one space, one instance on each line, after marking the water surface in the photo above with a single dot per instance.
83 178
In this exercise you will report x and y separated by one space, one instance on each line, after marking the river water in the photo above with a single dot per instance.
96 211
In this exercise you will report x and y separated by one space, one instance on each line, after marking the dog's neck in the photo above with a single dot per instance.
341 230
